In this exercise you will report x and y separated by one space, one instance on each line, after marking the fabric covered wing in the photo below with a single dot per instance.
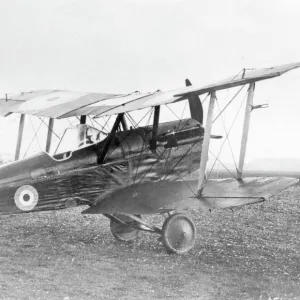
141 101
63 104
159 98
111 106
244 77
49 103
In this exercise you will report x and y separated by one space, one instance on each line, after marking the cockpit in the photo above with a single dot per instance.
78 137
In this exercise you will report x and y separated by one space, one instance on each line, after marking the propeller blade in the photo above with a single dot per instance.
196 108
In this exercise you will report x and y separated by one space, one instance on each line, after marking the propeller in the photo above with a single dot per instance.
196 108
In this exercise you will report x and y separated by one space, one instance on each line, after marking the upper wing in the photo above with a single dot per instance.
158 98
49 103
244 77
62 104
125 104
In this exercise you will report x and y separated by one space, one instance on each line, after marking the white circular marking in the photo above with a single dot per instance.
26 197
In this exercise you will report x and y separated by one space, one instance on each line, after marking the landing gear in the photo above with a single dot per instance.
178 233
123 228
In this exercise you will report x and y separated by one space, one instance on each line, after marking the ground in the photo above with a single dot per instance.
249 253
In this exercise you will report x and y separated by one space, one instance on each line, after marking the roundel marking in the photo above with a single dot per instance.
26 197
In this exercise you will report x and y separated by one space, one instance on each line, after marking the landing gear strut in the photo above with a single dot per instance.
123 228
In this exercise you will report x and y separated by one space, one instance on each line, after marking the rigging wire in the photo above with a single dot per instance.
35 134
142 150
49 128
217 157
182 157
102 128
69 122
133 121
91 121
172 112
179 176
161 155
180 120
205 98
128 133
220 113
227 136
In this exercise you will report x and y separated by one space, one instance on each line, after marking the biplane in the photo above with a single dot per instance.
135 170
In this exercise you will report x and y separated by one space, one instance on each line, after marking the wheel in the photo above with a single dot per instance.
178 233
121 232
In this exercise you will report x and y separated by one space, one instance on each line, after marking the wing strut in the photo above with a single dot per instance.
49 134
153 141
20 136
110 138
83 119
244 141
205 145
124 123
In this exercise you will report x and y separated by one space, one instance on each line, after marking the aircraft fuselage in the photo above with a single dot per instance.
45 182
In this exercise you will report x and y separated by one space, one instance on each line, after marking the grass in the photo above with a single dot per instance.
249 253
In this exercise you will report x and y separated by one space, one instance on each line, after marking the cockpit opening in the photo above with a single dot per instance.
78 137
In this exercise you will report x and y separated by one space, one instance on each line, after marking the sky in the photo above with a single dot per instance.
123 46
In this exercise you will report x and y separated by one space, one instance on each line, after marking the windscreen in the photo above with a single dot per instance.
79 137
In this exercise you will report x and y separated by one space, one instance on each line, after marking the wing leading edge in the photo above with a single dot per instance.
244 77
62 104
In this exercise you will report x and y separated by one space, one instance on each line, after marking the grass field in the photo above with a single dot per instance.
249 253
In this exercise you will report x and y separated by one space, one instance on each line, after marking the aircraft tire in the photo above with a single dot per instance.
178 233
121 232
